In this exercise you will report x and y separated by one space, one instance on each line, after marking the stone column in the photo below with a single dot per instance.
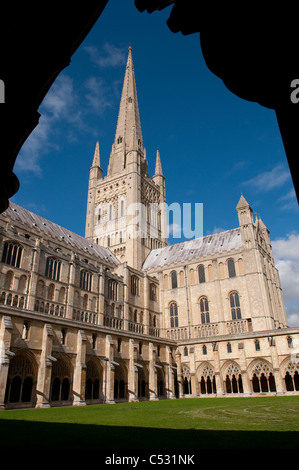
5 342
80 370
170 375
132 372
146 305
43 384
279 382
126 297
152 378
70 287
179 373
246 383
101 298
33 276
219 384
108 371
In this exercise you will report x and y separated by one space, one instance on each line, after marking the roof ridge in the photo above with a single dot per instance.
79 241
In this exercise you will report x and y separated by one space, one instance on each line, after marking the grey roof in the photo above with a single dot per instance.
193 249
18 213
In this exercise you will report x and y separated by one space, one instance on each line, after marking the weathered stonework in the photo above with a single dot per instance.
120 315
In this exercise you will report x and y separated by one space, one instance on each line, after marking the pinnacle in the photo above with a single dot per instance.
96 157
158 169
242 203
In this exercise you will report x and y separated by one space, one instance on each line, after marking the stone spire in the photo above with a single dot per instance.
96 157
128 129
158 169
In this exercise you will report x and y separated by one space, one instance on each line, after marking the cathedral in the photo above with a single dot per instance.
120 315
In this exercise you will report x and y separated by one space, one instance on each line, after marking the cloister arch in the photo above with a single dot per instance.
261 376
290 374
143 381
205 375
21 380
120 381
61 380
232 378
94 381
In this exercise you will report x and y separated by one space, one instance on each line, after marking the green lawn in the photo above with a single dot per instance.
210 423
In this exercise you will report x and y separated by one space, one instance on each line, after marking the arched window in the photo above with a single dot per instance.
290 342
174 280
204 310
134 285
122 208
99 215
174 321
231 268
153 292
235 306
85 280
257 345
185 351
204 349
110 213
112 289
201 274
53 269
12 254
229 347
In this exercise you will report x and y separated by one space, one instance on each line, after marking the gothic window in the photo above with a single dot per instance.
53 269
120 237
85 280
99 215
201 274
207 382
60 380
262 378
153 292
235 306
122 208
112 289
174 321
119 140
204 349
134 285
21 379
63 336
233 382
204 310
290 342
174 280
292 376
257 345
229 347
25 331
108 240
51 292
185 351
12 254
231 268
110 213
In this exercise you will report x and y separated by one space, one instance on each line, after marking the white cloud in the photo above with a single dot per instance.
267 180
289 200
98 95
286 254
109 56
59 104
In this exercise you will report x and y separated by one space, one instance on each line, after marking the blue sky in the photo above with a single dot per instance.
212 144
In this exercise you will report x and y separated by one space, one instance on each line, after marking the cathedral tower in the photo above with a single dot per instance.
126 209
